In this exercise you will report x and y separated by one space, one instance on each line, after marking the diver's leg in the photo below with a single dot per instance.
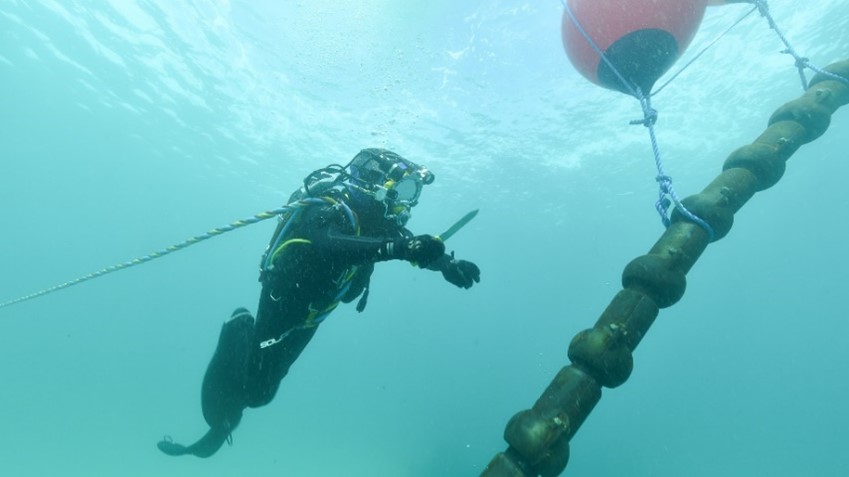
276 320
223 390
268 366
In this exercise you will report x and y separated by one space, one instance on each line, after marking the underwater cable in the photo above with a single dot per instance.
160 253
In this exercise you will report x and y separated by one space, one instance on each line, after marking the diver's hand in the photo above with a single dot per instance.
461 273
420 250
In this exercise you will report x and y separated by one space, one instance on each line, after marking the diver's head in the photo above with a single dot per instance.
385 177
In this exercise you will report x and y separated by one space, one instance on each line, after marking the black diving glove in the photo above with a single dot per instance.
420 250
461 273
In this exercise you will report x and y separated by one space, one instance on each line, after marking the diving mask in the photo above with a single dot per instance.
391 180
406 190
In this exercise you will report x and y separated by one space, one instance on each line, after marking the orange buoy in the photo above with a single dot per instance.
640 38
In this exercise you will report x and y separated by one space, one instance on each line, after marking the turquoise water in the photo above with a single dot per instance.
128 126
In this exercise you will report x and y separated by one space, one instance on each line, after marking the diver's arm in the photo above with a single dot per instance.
330 233
358 249
416 249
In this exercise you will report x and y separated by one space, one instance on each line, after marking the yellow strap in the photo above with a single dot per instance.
284 245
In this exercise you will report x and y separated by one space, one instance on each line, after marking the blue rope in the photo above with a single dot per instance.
801 61
173 248
666 192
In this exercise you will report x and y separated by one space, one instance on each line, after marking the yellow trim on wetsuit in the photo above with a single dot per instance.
284 245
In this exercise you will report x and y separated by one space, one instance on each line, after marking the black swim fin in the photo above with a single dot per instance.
205 447
222 394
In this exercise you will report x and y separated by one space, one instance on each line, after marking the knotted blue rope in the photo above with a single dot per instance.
666 193
179 246
801 61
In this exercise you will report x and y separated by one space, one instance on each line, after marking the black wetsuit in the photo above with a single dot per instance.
316 259
307 282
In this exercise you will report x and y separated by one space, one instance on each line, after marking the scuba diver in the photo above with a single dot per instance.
341 222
